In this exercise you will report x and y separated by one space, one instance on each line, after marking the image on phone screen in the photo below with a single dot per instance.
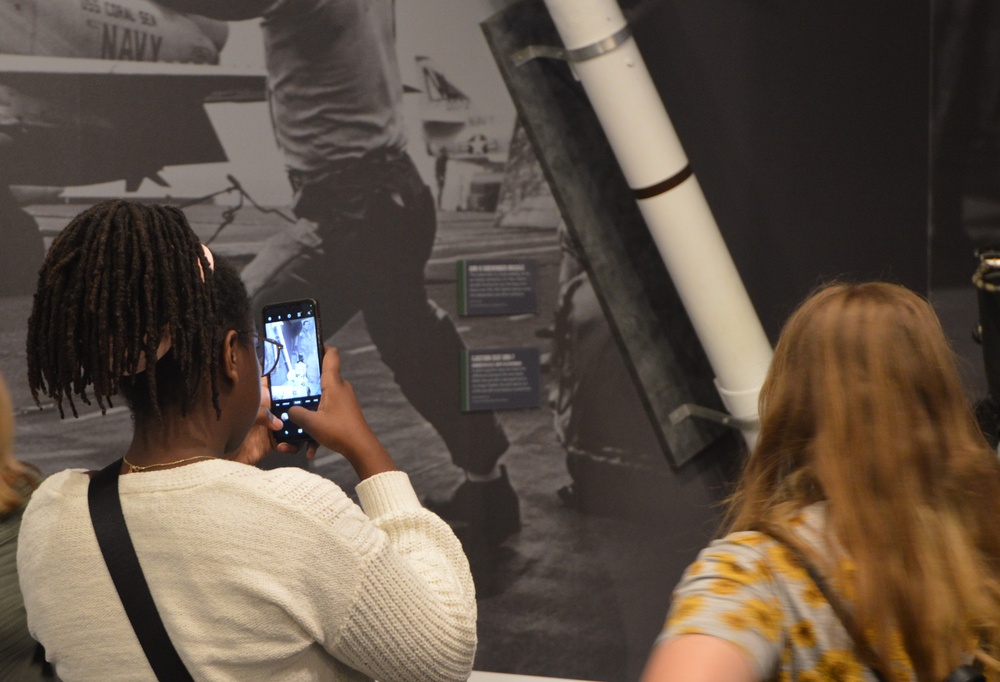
295 379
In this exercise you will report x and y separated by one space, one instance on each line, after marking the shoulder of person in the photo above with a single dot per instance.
301 492
286 483
807 525
67 482
386 494
747 557
748 543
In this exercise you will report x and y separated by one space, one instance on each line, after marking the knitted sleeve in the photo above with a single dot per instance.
410 611
415 613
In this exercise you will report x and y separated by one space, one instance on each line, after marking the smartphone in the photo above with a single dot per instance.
295 379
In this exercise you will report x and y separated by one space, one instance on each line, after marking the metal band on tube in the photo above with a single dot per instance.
580 54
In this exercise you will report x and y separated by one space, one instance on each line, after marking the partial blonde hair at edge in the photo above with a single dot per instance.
863 407
16 478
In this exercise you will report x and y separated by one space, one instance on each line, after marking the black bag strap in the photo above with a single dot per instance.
844 615
126 573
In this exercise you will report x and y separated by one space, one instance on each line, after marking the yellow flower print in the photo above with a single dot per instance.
811 595
839 665
808 676
898 657
737 620
685 607
784 672
784 563
804 634
756 569
765 617
749 539
729 567
724 587
695 568
762 572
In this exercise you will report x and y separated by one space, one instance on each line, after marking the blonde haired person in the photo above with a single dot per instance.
871 466
17 481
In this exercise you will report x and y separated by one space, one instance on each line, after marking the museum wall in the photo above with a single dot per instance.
807 124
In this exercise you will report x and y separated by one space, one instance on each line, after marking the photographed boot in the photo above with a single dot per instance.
481 511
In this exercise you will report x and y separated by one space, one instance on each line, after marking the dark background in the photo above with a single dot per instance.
807 125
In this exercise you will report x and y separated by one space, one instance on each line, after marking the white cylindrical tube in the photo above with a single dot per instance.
653 161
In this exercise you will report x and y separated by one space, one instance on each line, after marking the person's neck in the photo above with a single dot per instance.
164 442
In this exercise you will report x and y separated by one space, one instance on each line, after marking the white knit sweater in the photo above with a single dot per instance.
257 575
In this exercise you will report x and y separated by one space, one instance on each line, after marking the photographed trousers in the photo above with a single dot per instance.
364 233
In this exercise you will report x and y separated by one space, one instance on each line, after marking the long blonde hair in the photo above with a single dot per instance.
863 407
16 478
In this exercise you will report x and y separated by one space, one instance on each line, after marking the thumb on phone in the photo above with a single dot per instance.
339 424
307 419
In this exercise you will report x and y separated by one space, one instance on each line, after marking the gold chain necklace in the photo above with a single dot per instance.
133 468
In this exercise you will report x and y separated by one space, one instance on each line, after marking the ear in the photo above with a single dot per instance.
229 365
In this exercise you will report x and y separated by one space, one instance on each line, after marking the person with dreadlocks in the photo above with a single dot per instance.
255 574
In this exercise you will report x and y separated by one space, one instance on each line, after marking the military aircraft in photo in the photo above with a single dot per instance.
469 148
451 124
93 91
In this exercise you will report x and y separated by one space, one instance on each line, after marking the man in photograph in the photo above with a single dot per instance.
366 223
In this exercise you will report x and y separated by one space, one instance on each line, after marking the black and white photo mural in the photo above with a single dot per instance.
419 167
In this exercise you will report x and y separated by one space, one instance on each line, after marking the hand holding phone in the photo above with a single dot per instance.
339 424
259 440
294 359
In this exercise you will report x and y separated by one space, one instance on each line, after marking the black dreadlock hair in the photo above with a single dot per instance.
118 278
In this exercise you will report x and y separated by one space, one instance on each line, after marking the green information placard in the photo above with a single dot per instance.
497 287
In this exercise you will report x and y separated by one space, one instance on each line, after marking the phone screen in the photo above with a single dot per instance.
295 379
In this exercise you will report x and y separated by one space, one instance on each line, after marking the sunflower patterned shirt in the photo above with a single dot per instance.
751 591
